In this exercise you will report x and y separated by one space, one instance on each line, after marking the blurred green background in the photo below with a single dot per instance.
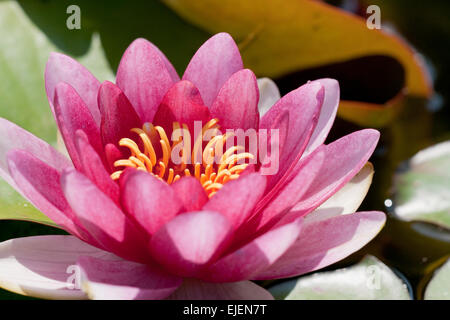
29 30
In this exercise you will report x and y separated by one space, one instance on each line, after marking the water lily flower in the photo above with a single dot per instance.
143 227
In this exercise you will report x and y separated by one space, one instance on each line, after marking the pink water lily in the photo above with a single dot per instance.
143 227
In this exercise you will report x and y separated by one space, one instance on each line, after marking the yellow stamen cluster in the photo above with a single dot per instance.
211 173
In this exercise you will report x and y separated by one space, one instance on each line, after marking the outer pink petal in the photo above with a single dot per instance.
149 201
101 217
93 167
325 242
72 114
184 104
45 266
190 192
14 137
304 105
255 256
125 280
277 203
348 199
213 63
61 68
144 78
237 199
327 114
192 289
190 241
43 179
344 159
40 184
236 104
118 115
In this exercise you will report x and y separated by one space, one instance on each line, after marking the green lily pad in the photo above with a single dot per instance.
439 286
151 20
422 191
25 50
370 279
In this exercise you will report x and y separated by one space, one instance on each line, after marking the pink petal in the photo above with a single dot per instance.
327 114
255 256
45 266
192 289
72 114
93 167
213 63
274 138
144 78
61 68
181 103
14 137
280 201
101 217
325 242
39 183
124 280
173 73
237 199
344 159
236 104
149 201
190 240
304 105
112 154
348 199
190 192
118 115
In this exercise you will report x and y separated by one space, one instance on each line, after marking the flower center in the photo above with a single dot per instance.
169 162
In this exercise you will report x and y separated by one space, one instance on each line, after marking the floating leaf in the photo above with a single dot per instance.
279 37
370 279
439 286
25 50
422 191
151 20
